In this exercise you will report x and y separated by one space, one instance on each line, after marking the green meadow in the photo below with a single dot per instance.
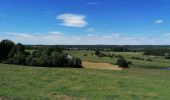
39 83
143 81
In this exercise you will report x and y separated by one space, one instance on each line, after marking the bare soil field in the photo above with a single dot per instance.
96 65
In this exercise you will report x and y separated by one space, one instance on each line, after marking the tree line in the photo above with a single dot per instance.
158 52
49 56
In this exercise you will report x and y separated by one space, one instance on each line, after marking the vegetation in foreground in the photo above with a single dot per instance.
32 83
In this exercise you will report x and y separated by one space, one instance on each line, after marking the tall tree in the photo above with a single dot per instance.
5 47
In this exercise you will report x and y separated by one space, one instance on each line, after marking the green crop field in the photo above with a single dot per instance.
157 61
35 83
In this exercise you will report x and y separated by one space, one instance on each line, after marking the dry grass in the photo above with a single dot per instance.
107 66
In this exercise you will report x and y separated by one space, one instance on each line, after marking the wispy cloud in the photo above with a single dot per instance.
90 29
50 13
22 35
55 37
56 33
166 34
72 20
158 21
94 3
52 37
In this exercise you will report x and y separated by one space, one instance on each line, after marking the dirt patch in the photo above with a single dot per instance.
3 98
61 97
96 65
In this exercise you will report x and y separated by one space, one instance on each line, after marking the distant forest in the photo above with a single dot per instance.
118 48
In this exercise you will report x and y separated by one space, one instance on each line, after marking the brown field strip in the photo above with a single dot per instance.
96 65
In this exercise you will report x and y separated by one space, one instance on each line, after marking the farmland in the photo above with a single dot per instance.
142 61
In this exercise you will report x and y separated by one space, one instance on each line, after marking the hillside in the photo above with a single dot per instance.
20 82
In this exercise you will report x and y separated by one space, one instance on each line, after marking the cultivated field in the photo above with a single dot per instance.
98 65
32 83
144 61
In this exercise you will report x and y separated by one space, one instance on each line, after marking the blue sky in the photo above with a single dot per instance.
120 22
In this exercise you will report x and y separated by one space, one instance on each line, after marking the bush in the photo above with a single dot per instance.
97 52
85 54
111 55
167 56
129 62
19 58
122 63
58 60
118 56
137 58
75 62
28 60
44 60
102 55
149 59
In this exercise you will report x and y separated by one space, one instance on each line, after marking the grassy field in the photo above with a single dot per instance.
35 83
157 61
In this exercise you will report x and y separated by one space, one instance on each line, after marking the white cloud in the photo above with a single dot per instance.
56 33
159 21
72 20
94 3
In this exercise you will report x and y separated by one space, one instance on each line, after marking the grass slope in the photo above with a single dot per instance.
32 83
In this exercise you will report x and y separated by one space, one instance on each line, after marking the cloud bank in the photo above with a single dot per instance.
59 38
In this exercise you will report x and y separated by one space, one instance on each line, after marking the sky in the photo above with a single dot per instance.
86 22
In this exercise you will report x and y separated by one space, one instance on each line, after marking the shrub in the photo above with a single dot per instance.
44 60
137 58
129 62
148 59
97 52
111 55
78 63
118 56
122 63
167 56
19 58
28 60
102 55
75 62
85 54
58 60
